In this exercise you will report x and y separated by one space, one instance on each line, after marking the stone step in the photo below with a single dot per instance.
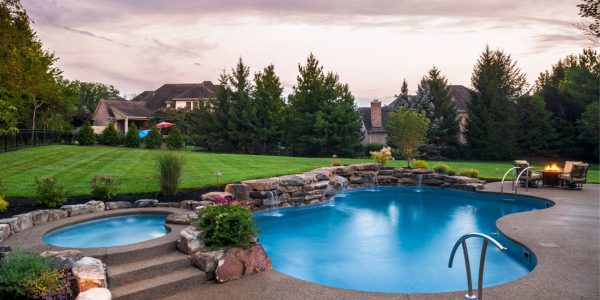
167 283
139 254
122 274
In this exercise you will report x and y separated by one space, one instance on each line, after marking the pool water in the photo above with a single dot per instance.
108 232
395 239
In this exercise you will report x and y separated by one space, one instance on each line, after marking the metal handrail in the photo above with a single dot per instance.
526 182
512 187
461 241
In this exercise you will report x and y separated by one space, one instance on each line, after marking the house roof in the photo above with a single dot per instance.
157 99
461 96
127 108
141 95
196 92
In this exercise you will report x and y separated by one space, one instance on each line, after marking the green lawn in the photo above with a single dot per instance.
135 169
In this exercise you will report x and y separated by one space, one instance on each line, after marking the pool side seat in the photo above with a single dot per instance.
576 177
531 176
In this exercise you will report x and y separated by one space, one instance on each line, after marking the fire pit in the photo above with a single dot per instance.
550 175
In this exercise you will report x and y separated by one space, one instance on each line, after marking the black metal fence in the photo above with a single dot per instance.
26 138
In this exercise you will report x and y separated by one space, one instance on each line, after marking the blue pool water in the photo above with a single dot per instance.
107 232
394 239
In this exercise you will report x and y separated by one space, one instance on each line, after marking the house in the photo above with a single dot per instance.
139 110
375 116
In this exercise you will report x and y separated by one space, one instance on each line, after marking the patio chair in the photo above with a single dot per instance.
569 166
531 176
576 178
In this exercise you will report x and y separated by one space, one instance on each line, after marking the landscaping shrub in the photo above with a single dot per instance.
451 172
337 162
153 140
175 139
110 136
420 164
86 135
24 275
227 226
473 173
3 203
441 168
50 192
382 156
170 167
104 187
132 137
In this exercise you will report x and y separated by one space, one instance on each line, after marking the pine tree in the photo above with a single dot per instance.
153 139
536 133
175 139
268 99
402 99
444 129
132 138
109 136
86 135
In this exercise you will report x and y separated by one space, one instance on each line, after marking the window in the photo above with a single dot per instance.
188 105
195 104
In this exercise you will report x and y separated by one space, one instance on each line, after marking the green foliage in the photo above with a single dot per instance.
86 135
2 188
175 139
451 172
3 204
132 137
589 128
441 168
28 275
8 114
104 187
336 162
407 130
110 136
268 98
89 94
153 140
50 193
227 226
170 167
382 156
473 173
420 164
536 132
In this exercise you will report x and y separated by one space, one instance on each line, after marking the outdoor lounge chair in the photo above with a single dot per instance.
531 176
576 178
569 166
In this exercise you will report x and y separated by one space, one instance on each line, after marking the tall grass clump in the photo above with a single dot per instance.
170 167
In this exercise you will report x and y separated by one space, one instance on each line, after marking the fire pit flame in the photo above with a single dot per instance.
552 167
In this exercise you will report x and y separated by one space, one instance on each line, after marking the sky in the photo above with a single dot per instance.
373 45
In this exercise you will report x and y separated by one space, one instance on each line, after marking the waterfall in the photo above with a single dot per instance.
419 182
271 195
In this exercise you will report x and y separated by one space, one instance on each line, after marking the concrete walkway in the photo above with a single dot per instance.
565 239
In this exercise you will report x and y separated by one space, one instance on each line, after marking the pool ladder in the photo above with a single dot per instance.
514 182
462 241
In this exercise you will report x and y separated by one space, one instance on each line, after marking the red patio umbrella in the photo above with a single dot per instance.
164 125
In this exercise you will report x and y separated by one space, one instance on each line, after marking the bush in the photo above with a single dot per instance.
382 156
336 162
451 172
473 173
153 140
441 168
227 226
110 136
86 135
50 192
104 187
3 204
420 164
29 275
175 139
132 137
169 173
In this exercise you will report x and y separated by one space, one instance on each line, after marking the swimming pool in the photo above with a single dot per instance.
395 239
109 232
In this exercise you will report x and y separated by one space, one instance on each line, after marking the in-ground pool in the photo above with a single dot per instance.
108 232
395 239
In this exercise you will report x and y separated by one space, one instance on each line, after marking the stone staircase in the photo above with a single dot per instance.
159 274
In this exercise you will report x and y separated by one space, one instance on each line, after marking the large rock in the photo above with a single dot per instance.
65 259
217 197
356 179
39 216
189 240
95 206
95 294
89 273
266 184
181 219
367 167
297 179
4 232
343 170
82 209
421 171
145 203
193 204
57 214
322 173
238 263
13 224
339 182
25 220
117 205
381 179
461 179
238 190
207 261
167 204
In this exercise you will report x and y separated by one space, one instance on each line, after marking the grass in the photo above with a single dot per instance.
136 171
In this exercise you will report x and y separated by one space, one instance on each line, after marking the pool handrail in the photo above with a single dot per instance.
462 241
526 182
504 177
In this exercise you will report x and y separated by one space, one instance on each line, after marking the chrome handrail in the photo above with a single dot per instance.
504 177
461 241
526 182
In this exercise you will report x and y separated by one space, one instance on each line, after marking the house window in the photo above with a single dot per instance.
188 105
195 104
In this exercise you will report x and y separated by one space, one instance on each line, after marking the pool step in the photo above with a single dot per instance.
123 274
166 283
139 254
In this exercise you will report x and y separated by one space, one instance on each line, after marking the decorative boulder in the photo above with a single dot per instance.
216 197
4 232
145 203
95 206
65 259
298 179
188 241
13 224
262 184
95 294
192 204
76 209
323 173
117 205
181 219
207 261
57 214
343 170
422 171
461 179
238 263
25 221
39 216
238 190
167 204
89 273
356 179
367 167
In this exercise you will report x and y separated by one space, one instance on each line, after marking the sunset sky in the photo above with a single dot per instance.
138 45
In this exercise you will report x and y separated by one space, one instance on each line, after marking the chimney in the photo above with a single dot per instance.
376 114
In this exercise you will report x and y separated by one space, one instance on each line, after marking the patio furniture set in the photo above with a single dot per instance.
572 176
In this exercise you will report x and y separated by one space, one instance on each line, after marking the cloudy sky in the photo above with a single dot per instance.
138 45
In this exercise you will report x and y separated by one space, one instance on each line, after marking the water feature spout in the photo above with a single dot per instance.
419 182
272 195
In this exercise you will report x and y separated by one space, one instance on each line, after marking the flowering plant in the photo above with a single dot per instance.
382 156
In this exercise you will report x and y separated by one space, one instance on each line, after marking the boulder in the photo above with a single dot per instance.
262 184
216 197
421 171
470 187
207 261
25 221
343 170
39 216
289 188
65 259
95 294
386 179
433 181
356 179
117 205
322 173
192 204
461 179
386 172
297 179
57 214
4 232
238 190
167 204
367 167
189 241
407 181
181 219
339 181
238 263
145 203
89 273
95 206
13 224
271 201
321 185
76 209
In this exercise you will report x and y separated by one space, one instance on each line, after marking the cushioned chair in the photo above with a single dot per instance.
569 166
531 176
576 178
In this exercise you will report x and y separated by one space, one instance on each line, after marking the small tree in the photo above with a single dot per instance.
170 167
132 138
86 135
175 139
110 136
153 140
407 130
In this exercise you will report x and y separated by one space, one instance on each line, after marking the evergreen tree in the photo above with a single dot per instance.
109 136
202 124
444 129
402 99
132 138
536 133
86 135
492 127
268 99
175 139
153 140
